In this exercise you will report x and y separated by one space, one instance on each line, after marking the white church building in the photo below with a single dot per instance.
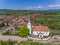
38 30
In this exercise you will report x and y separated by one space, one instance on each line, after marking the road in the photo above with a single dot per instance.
54 40
55 31
13 38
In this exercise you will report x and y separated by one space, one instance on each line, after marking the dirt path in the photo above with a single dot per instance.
55 31
13 38
55 39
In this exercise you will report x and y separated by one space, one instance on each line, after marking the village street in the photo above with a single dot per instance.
54 39
55 31
13 38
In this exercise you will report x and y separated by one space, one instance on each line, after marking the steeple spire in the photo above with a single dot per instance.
29 19
29 24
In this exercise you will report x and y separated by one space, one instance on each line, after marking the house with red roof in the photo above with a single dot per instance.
38 30
41 31
14 18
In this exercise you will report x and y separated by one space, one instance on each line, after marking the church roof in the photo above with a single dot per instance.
41 28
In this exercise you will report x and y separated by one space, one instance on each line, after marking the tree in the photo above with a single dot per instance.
24 31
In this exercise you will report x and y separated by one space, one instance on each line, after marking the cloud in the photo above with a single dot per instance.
39 7
36 7
57 5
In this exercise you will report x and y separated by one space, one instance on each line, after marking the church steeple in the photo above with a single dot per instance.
29 25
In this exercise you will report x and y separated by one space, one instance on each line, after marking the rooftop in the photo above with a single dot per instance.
40 28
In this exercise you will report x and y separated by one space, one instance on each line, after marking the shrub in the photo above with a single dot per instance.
7 33
24 31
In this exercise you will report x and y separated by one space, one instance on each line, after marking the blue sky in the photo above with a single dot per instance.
30 4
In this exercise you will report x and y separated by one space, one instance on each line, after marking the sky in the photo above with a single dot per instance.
30 4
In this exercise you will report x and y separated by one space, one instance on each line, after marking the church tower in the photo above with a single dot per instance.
29 25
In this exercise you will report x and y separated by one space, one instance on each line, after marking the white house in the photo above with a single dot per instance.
38 30
41 31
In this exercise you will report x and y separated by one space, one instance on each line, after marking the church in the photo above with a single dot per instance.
39 31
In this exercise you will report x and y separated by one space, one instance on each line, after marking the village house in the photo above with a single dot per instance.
39 31
21 23
10 20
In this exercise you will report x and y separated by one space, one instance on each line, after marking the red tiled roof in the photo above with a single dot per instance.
41 28
13 18
23 22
